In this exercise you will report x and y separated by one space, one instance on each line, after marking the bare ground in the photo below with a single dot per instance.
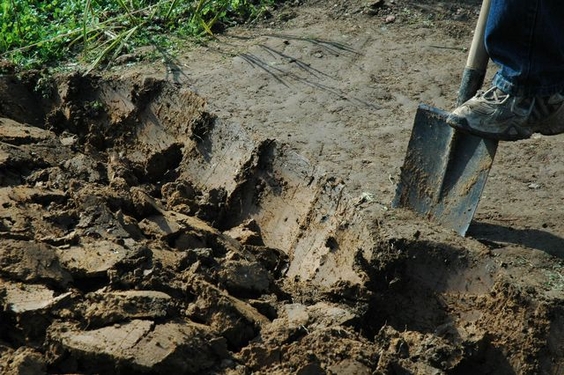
228 211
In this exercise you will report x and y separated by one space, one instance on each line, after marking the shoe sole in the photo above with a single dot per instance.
460 123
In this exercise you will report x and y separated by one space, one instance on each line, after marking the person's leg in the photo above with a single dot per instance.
526 39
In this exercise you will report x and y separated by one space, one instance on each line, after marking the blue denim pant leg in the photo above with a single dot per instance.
525 38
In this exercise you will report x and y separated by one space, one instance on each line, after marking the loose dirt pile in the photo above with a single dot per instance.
140 232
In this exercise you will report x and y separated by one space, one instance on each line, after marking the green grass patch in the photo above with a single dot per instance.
36 33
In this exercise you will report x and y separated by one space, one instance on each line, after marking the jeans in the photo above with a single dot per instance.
525 38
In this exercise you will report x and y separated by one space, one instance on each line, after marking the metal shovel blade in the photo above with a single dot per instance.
444 171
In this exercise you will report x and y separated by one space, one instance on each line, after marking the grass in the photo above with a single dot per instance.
555 278
35 33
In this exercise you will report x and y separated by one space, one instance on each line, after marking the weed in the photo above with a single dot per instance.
555 278
35 33
45 86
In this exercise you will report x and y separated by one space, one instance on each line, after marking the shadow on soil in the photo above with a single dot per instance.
532 238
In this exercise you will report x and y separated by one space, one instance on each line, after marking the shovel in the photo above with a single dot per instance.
445 170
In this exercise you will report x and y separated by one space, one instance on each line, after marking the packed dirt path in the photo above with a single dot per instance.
228 211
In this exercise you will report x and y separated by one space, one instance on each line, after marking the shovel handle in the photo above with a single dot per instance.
475 70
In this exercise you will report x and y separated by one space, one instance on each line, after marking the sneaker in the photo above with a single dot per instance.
547 117
496 115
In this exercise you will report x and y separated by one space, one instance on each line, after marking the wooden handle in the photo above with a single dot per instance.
477 63
478 57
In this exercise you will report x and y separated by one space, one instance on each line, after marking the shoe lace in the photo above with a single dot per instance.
494 96
521 106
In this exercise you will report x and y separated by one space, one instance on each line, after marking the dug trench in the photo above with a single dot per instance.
142 234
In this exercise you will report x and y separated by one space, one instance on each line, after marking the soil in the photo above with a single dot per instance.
228 211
